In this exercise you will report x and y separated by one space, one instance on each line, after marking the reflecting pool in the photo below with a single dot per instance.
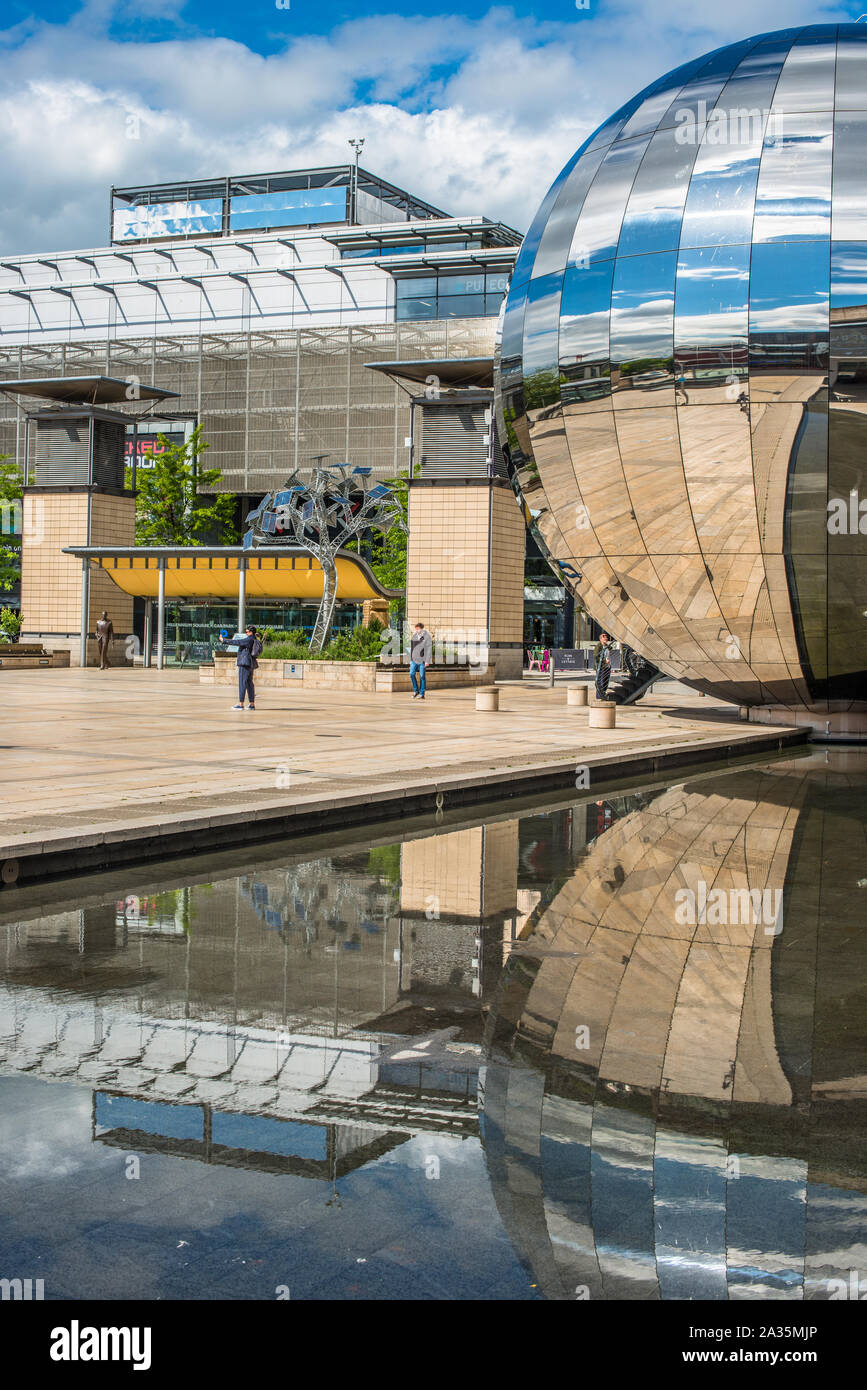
610 1048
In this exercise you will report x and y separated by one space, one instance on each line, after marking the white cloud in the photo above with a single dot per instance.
489 136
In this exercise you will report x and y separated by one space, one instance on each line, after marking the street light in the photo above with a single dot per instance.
357 146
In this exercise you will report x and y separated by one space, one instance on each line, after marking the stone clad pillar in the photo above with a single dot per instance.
465 567
51 607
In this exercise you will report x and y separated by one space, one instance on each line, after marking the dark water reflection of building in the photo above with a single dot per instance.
677 1108
668 1108
269 1018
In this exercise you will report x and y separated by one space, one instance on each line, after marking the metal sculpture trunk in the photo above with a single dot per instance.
337 506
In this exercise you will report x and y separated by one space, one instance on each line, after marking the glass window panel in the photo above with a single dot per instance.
492 304
357 253
789 310
413 289
461 306
807 80
598 227
557 236
168 219
655 208
793 198
291 208
497 281
416 309
585 315
461 284
541 325
848 222
851 67
712 316
642 311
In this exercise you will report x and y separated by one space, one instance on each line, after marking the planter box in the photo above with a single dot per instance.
29 659
394 680
341 675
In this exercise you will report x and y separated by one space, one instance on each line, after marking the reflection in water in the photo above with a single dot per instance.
671 1082
676 1108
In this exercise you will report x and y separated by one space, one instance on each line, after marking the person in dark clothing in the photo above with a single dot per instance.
249 646
602 658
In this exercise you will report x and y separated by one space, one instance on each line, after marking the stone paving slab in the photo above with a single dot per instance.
97 764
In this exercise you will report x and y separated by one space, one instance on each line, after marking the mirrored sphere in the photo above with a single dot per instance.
682 374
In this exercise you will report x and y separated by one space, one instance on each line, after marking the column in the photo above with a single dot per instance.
148 632
85 610
161 615
242 593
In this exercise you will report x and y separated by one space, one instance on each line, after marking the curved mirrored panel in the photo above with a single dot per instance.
711 383
793 197
598 227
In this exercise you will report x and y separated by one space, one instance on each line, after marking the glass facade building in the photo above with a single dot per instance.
682 389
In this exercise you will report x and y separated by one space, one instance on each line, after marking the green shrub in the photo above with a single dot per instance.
361 644
10 624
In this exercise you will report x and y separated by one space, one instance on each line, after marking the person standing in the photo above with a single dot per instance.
249 648
420 657
602 661
104 638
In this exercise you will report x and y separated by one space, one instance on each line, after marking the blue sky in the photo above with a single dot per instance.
471 105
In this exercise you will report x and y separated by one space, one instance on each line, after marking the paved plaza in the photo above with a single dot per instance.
114 754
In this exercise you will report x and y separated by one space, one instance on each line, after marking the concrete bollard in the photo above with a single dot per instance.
576 695
487 697
603 714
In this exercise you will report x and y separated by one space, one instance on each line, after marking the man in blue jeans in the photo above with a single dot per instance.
249 647
420 657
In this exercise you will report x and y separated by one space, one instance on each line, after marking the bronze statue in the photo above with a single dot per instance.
104 636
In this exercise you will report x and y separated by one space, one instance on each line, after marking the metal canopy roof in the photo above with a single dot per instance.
274 572
451 371
496 233
85 390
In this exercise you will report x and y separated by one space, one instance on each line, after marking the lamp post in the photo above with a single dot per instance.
357 146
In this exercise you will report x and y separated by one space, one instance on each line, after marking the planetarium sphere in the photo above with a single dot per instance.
681 386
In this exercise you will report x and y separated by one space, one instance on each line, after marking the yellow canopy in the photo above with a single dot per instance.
199 573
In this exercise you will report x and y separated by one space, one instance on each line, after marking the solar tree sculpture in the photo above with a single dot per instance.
322 516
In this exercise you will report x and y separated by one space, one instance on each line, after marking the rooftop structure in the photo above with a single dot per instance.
266 202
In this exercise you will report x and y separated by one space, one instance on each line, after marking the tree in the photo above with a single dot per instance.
324 516
387 553
11 485
171 508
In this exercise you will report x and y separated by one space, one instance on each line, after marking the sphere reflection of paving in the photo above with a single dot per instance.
675 1101
683 375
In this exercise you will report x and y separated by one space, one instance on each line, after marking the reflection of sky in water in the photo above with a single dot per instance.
681 1165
